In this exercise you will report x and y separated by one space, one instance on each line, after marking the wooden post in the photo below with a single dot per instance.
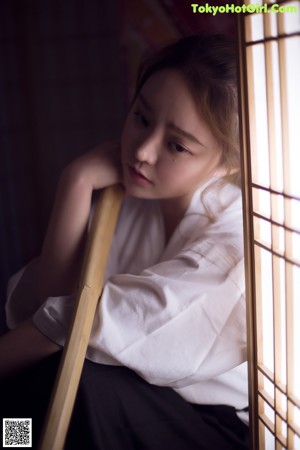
90 289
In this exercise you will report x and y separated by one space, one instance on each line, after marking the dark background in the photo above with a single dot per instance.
66 74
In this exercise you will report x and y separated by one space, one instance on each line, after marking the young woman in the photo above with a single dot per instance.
166 359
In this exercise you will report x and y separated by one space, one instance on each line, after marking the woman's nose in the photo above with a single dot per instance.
147 150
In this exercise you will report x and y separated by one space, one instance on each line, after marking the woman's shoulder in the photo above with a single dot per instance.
212 231
215 198
215 209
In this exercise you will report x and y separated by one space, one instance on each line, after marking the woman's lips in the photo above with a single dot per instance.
138 177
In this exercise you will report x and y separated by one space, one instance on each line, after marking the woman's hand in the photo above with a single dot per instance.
98 168
63 248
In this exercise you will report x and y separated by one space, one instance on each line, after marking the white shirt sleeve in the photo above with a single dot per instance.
22 296
176 314
176 323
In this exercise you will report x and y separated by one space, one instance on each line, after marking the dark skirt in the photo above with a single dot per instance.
115 409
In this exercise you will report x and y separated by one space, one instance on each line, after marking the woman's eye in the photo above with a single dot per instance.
140 119
178 148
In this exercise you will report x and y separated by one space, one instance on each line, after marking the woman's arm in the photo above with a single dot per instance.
23 347
62 252
56 271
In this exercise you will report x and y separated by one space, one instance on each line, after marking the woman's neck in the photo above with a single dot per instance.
173 211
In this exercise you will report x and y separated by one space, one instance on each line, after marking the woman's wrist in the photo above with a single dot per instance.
96 169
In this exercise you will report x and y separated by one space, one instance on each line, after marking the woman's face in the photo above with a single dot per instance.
168 151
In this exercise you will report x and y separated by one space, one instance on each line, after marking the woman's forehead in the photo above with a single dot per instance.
167 97
166 87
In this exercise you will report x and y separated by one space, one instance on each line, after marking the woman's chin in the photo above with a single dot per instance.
137 191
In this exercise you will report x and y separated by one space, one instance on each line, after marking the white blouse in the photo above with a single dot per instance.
174 313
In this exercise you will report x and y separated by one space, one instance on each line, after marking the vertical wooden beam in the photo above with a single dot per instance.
248 232
90 288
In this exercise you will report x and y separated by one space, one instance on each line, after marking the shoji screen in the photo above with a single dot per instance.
270 109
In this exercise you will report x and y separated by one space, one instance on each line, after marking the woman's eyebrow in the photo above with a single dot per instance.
184 133
144 102
171 125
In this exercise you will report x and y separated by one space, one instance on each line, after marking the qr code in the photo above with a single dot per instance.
17 433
